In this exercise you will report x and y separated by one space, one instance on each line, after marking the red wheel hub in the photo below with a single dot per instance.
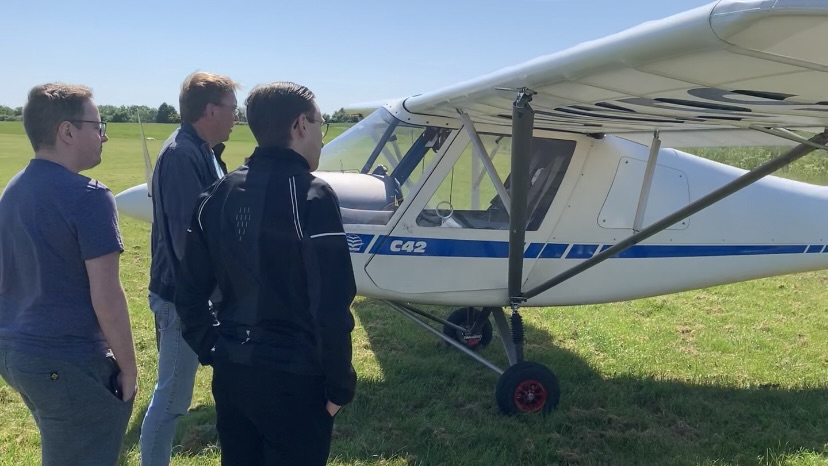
530 396
471 342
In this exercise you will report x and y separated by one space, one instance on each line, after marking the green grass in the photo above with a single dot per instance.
735 374
813 168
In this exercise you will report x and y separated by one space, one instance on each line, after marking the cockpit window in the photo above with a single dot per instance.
376 164
468 196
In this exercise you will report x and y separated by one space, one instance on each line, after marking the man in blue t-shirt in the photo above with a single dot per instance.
65 338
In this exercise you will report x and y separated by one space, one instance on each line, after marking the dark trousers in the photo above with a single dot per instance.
265 417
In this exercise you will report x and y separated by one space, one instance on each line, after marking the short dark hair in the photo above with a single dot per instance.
202 88
273 108
48 106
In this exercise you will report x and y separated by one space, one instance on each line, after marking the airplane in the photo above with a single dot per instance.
550 183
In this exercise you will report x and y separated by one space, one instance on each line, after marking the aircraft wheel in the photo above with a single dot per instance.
527 387
465 317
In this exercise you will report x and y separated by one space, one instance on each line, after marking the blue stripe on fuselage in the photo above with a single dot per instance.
694 250
434 247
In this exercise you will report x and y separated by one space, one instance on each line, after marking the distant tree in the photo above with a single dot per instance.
148 114
116 114
341 116
8 114
120 115
167 114
107 111
326 117
127 113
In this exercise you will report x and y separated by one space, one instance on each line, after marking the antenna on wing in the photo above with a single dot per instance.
147 162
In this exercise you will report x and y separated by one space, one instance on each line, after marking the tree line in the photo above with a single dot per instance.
114 114
165 113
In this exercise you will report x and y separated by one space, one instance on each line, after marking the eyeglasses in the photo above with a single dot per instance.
101 125
323 125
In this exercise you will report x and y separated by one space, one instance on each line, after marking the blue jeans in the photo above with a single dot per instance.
177 364
79 419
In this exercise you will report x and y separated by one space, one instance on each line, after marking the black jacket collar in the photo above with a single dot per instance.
284 155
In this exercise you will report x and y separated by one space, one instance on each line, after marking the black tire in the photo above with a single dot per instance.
466 317
527 387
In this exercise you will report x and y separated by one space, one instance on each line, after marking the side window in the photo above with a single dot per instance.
468 197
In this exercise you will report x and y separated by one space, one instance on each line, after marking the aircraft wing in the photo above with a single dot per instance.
719 137
364 108
710 72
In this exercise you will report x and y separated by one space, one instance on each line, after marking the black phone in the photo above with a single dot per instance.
114 386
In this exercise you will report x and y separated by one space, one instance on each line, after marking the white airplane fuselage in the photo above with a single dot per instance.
772 227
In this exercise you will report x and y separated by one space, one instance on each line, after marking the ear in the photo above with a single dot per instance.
301 125
66 132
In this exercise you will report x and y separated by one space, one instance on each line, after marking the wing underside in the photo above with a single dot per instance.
708 74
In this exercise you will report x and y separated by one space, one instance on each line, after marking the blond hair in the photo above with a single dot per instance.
202 88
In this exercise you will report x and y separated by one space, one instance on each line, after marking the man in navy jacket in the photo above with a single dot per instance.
189 162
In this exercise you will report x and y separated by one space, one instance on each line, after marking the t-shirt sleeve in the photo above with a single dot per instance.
96 221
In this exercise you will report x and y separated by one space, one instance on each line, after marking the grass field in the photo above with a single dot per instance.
735 374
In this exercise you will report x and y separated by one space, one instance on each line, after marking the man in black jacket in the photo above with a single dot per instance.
270 235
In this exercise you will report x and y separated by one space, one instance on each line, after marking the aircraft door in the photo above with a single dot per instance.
454 236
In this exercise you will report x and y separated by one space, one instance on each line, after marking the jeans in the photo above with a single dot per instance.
177 364
79 419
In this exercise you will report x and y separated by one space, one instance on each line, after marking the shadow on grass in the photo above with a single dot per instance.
420 401
430 404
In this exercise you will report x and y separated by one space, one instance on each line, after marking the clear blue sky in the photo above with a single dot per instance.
347 52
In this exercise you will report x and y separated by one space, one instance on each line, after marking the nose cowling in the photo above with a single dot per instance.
136 203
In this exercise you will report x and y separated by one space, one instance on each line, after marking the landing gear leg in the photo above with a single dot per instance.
478 330
525 387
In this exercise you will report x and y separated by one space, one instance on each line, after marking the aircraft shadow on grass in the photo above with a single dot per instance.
433 402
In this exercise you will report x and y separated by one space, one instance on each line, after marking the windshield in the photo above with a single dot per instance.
385 147
376 164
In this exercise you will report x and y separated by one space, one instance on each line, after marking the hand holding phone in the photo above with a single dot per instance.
115 385
122 386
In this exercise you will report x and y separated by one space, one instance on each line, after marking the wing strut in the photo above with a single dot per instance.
817 142
648 182
147 161
481 153
523 123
